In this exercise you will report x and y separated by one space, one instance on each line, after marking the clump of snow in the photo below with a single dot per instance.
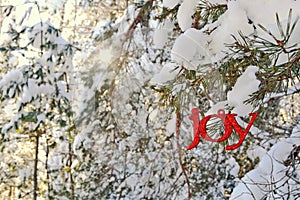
256 152
237 17
171 126
245 85
216 107
240 17
185 12
170 3
230 23
33 90
270 172
160 37
13 76
233 167
189 49
167 73
264 11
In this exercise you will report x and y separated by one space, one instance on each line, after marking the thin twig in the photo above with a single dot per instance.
178 122
138 19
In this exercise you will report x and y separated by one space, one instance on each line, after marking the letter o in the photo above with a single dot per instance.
226 122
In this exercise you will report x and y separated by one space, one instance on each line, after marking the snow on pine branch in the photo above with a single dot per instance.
240 17
291 90
203 49
245 85
38 78
277 173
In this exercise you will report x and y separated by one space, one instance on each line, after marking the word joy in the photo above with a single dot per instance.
229 122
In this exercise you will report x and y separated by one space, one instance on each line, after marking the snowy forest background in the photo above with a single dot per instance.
96 98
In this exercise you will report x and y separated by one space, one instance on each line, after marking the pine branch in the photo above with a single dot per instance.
290 91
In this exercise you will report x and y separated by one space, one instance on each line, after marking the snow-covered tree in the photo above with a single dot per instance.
36 93
214 54
120 129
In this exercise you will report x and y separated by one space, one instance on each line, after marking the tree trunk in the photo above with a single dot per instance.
35 180
70 172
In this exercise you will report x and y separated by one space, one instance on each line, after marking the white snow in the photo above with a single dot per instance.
192 50
245 85
185 12
232 21
33 90
263 11
14 75
30 18
41 118
270 169
167 73
106 56
216 107
256 152
189 50
160 36
170 3
233 167
235 20
289 91
171 126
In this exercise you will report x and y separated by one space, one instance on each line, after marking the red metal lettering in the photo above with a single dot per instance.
195 119
228 120
242 133
203 132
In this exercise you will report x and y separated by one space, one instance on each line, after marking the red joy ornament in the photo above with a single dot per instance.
229 122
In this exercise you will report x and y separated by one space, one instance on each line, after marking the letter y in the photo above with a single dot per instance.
242 133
